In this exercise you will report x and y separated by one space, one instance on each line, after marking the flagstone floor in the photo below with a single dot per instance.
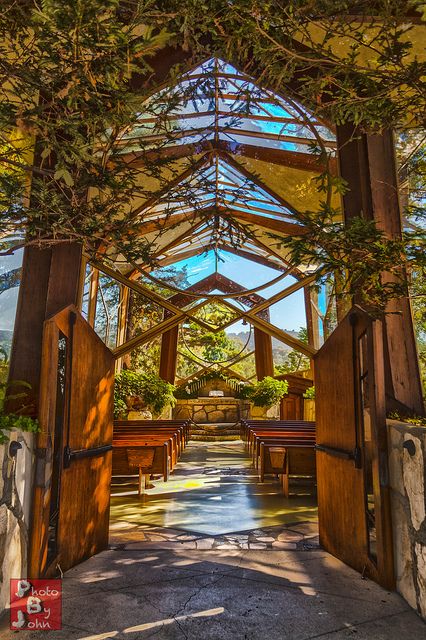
213 491
234 561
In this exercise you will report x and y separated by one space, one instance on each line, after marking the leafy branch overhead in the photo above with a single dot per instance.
78 78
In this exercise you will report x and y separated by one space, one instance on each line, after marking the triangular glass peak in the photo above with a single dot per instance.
218 186
215 101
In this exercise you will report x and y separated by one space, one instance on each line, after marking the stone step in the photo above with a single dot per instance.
216 426
215 432
214 438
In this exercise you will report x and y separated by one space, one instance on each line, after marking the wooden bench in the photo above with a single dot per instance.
147 446
160 464
247 426
281 447
299 459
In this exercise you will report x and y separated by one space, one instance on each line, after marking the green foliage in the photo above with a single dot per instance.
411 419
191 388
66 70
13 421
372 265
154 393
294 360
310 393
267 392
9 421
157 393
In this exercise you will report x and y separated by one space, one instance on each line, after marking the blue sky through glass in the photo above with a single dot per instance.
288 314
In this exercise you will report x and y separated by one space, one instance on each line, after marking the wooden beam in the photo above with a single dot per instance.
272 224
367 163
93 296
123 316
263 354
50 281
293 159
252 256
168 354
273 331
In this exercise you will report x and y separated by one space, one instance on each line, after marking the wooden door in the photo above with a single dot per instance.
74 449
352 467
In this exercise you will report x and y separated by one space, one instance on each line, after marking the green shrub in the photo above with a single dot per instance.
267 392
310 393
154 392
9 421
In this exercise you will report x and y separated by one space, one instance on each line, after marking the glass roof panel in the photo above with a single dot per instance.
233 101
218 185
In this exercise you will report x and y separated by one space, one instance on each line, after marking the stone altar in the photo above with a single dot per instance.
211 410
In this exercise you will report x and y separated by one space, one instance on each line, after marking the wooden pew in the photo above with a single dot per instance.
183 425
299 460
156 444
247 426
253 432
161 462
293 441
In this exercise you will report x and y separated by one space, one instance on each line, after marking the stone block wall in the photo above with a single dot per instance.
15 502
211 410
407 469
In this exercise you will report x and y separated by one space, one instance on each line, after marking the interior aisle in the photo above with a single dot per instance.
212 493
212 554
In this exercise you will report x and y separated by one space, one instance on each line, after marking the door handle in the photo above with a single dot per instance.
354 455
78 454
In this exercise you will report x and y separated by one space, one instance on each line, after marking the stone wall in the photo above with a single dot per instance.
407 469
15 502
211 410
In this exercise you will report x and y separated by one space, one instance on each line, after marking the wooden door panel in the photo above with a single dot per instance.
72 489
353 500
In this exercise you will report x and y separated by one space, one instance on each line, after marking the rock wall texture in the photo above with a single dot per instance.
211 410
407 467
15 502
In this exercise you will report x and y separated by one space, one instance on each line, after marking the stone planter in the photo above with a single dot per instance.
265 413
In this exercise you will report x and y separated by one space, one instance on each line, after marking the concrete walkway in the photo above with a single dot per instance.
269 583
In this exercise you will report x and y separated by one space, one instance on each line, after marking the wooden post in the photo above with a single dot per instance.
122 322
312 317
168 356
50 281
93 296
367 163
263 355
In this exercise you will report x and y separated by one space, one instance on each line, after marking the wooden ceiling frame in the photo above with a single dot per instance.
274 331
282 157
259 259
176 241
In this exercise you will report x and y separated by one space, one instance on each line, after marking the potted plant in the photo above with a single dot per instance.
143 393
265 396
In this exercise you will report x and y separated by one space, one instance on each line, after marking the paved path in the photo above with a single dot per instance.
269 583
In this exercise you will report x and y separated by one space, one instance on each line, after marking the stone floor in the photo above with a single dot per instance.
213 490
222 579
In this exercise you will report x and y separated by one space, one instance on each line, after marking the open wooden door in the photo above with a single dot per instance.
74 449
352 463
